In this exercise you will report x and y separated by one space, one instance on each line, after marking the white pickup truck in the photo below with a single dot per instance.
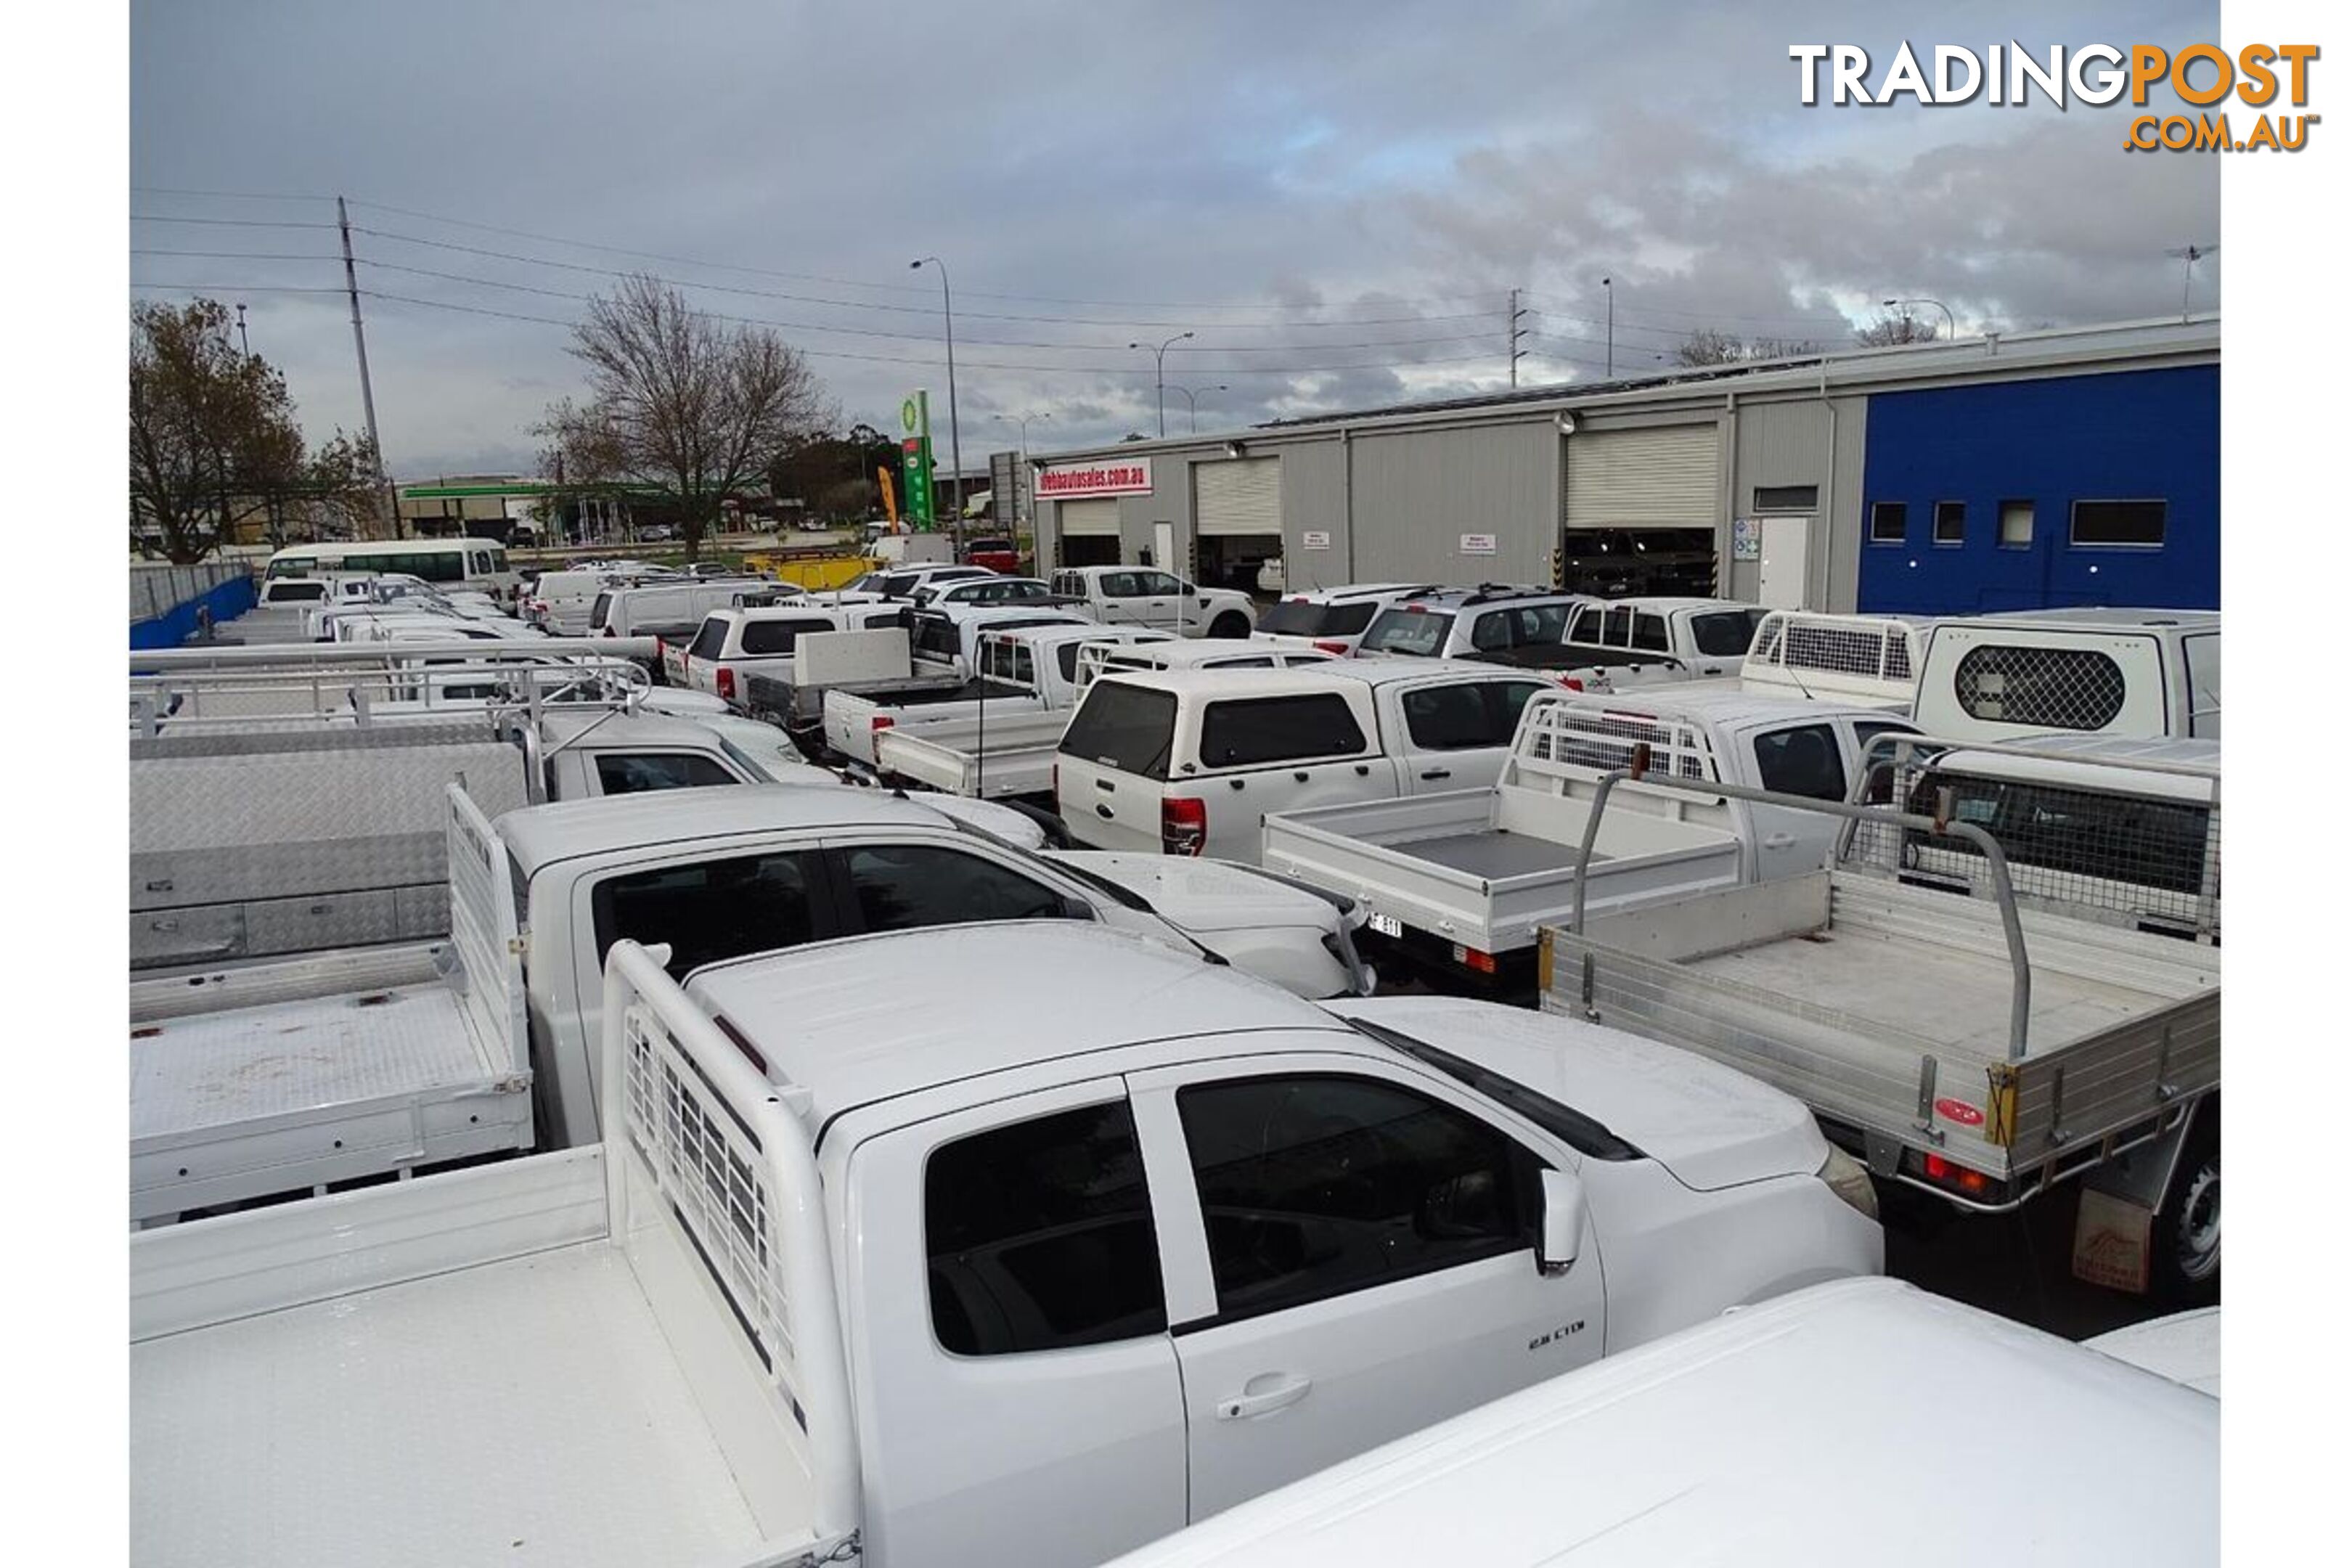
1461 882
733 643
1141 596
1000 725
1703 638
1978 1050
1188 761
2132 674
274 1078
1741 1440
878 1257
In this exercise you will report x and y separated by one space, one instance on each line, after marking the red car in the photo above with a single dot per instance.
997 554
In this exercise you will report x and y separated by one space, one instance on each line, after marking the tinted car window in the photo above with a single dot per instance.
2159 844
898 887
778 637
1314 1186
633 773
709 640
297 593
1725 633
1243 732
1119 585
1298 619
1801 761
718 909
1159 584
1449 718
1123 727
1408 632
1039 1237
602 608
1587 625
1650 632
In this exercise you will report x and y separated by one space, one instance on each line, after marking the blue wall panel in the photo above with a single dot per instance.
225 600
2126 435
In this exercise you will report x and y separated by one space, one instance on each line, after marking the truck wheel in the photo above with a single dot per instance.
1230 624
2185 1243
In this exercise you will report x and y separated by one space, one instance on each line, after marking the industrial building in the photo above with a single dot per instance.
2079 466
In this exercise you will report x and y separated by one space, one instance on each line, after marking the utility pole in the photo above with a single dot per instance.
2188 257
1517 331
367 389
244 344
1609 289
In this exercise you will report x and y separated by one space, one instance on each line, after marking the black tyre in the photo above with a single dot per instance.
2185 1246
1232 624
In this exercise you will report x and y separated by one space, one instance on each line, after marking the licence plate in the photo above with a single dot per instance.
1387 925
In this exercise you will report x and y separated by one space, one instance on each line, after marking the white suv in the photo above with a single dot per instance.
1334 619
1468 622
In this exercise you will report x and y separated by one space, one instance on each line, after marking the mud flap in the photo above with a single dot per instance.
2112 1236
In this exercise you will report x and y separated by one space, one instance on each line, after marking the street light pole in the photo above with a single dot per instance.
1192 403
955 428
1951 322
1160 376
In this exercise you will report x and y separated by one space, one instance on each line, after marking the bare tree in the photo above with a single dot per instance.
1708 346
1889 332
679 404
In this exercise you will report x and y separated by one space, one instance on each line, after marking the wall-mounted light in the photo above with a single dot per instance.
1232 448
1567 423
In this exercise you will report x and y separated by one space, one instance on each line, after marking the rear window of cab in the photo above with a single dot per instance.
1127 729
1408 631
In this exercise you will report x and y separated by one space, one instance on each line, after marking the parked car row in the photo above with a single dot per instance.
761 1139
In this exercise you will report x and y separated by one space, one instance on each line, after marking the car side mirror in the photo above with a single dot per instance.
1561 1233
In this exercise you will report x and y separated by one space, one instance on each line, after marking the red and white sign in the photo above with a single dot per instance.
1069 482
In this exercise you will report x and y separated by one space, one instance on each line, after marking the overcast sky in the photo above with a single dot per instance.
1333 194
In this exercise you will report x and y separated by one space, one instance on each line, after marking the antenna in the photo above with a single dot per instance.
1518 334
2189 256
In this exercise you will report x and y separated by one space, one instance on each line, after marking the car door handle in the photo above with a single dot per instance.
1105 785
1363 770
1287 1391
1778 840
1437 773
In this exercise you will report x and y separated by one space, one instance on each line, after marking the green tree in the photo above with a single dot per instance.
679 402
212 434
1709 346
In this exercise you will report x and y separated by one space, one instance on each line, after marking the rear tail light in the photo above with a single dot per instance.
1571 682
1471 958
1339 647
1959 1178
725 684
883 721
1183 826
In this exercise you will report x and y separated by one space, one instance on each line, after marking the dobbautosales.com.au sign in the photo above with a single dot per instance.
1069 481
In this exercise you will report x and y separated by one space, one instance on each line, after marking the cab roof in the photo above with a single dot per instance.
2093 617
843 1020
540 835
1722 705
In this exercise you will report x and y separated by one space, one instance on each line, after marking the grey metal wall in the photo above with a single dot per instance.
1788 442
1315 482
1416 492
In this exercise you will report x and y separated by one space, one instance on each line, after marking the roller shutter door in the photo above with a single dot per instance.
1644 479
1237 498
1089 519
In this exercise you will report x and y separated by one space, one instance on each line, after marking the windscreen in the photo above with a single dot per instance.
1305 619
1124 728
1408 631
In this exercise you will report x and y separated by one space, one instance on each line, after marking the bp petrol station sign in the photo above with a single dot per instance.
915 457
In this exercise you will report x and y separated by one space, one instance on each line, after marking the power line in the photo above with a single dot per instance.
227 221
237 255
894 288
226 195
230 288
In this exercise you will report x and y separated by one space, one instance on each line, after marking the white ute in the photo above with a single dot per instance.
1189 761
1759 1439
1464 879
1141 596
880 1257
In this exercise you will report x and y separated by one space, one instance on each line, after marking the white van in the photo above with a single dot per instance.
673 610
1191 761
